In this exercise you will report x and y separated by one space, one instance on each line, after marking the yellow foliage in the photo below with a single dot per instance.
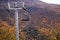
22 36
7 32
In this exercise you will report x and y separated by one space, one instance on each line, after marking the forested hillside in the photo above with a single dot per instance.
44 23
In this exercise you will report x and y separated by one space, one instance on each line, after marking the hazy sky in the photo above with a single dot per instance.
52 1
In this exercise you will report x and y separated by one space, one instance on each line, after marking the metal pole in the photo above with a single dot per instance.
16 23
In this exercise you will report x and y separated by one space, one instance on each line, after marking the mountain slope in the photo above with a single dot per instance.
44 23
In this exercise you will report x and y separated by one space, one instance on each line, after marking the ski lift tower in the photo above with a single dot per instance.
16 5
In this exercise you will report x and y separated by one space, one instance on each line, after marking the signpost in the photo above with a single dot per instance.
16 6
17 26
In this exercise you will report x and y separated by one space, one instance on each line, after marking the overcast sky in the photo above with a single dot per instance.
52 1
